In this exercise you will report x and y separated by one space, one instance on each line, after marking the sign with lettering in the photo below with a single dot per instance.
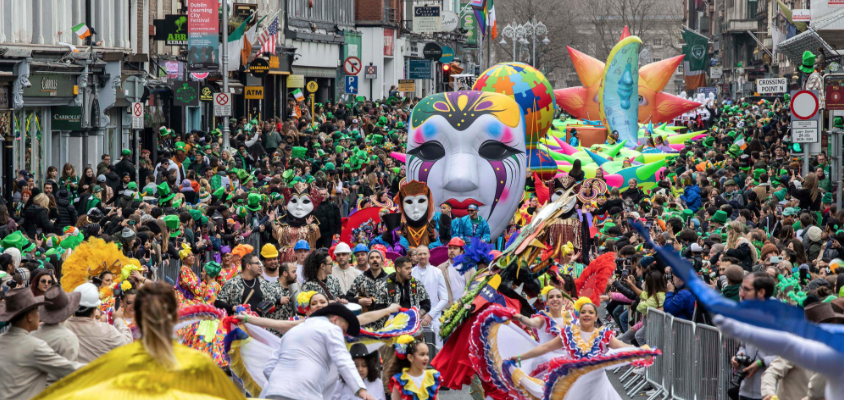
173 30
49 85
203 35
206 93
418 69
222 105
804 116
295 81
427 19
801 15
253 92
771 85
407 85
259 67
66 118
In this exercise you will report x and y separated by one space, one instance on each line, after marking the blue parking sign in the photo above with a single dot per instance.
352 84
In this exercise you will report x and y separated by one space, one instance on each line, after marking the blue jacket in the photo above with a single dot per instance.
680 303
462 228
691 195
574 142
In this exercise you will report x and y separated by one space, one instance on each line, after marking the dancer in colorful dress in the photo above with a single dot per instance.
206 335
547 323
409 378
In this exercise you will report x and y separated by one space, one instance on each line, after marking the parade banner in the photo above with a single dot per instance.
203 35
696 60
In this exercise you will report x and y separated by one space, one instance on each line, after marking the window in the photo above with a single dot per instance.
657 42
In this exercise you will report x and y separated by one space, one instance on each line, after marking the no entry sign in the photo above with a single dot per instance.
804 116
222 105
137 116
352 66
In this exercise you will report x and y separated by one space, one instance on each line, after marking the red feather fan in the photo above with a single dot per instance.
542 192
592 283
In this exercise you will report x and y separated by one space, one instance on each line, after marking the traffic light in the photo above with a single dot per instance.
446 68
796 148
446 81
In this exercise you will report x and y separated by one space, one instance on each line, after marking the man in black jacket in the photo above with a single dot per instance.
67 212
125 165
328 215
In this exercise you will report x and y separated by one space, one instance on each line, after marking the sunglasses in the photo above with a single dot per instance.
46 282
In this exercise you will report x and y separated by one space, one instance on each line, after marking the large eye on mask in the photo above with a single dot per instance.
557 194
429 151
492 150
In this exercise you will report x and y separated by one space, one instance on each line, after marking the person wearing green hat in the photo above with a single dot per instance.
808 64
164 193
172 222
253 202
734 150
719 218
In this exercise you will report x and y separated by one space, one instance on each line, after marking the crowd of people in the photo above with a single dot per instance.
260 229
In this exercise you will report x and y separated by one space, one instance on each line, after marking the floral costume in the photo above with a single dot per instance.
205 336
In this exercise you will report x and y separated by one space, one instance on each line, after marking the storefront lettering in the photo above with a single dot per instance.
49 84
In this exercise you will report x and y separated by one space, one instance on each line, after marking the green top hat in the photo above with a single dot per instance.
607 226
757 173
338 149
216 132
780 194
180 146
329 166
687 213
164 131
400 125
808 65
734 150
381 121
195 215
377 139
242 174
838 122
177 203
163 191
219 193
720 217
172 222
253 202
299 152
709 142
287 174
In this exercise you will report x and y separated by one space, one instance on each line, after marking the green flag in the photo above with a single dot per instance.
696 60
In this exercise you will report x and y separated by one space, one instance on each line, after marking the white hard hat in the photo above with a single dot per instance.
90 295
342 248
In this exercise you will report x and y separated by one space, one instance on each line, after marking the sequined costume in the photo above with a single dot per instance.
294 228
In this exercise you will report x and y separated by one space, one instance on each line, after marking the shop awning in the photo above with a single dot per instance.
316 72
811 40
279 72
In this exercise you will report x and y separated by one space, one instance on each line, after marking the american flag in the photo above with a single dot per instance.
267 38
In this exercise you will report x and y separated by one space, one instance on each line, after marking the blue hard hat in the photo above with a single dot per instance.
302 245
361 248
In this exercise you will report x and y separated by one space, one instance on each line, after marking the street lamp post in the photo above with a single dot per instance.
516 33
533 28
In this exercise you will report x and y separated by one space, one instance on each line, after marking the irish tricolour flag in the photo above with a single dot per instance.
82 31
298 95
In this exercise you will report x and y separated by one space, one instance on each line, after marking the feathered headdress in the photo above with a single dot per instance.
91 258
476 253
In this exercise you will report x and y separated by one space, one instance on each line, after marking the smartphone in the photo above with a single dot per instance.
775 260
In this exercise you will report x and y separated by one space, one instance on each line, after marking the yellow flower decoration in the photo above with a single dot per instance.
127 269
126 285
303 301
405 339
580 302
185 251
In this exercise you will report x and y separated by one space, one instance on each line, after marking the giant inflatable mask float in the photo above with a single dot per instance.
469 147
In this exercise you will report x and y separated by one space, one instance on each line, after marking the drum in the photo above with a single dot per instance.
355 308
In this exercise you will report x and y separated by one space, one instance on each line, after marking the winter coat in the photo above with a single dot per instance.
463 228
805 198
745 253
680 303
691 195
125 166
67 215
35 217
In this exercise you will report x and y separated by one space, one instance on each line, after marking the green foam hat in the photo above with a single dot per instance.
838 122
163 191
720 217
180 146
253 202
15 239
299 152
827 198
780 194
808 65
172 222
195 215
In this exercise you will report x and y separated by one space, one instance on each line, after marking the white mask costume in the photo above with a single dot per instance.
469 147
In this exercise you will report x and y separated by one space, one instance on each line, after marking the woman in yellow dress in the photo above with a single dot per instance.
153 367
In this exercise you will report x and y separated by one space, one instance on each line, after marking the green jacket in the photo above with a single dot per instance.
731 292
273 140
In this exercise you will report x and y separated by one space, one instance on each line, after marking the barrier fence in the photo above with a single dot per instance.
695 361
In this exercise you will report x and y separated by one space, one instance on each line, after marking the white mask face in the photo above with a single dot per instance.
300 206
556 195
415 207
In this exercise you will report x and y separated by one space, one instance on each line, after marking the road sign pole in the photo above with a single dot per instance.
225 71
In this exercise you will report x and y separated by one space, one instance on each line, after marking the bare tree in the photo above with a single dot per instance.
647 19
561 17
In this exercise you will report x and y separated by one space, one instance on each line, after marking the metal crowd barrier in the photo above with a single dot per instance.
695 361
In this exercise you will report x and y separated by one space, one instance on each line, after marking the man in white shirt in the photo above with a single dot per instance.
299 367
455 282
342 270
434 282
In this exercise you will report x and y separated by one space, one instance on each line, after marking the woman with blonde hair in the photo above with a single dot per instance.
740 247
808 195
128 371
36 219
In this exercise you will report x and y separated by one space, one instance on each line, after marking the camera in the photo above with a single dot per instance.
739 375
619 265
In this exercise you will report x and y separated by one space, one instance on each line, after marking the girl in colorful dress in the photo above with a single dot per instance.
548 323
409 378
206 335
582 340
229 268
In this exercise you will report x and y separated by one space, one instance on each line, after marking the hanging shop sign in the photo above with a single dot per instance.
259 67
203 35
185 93
50 85
173 30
